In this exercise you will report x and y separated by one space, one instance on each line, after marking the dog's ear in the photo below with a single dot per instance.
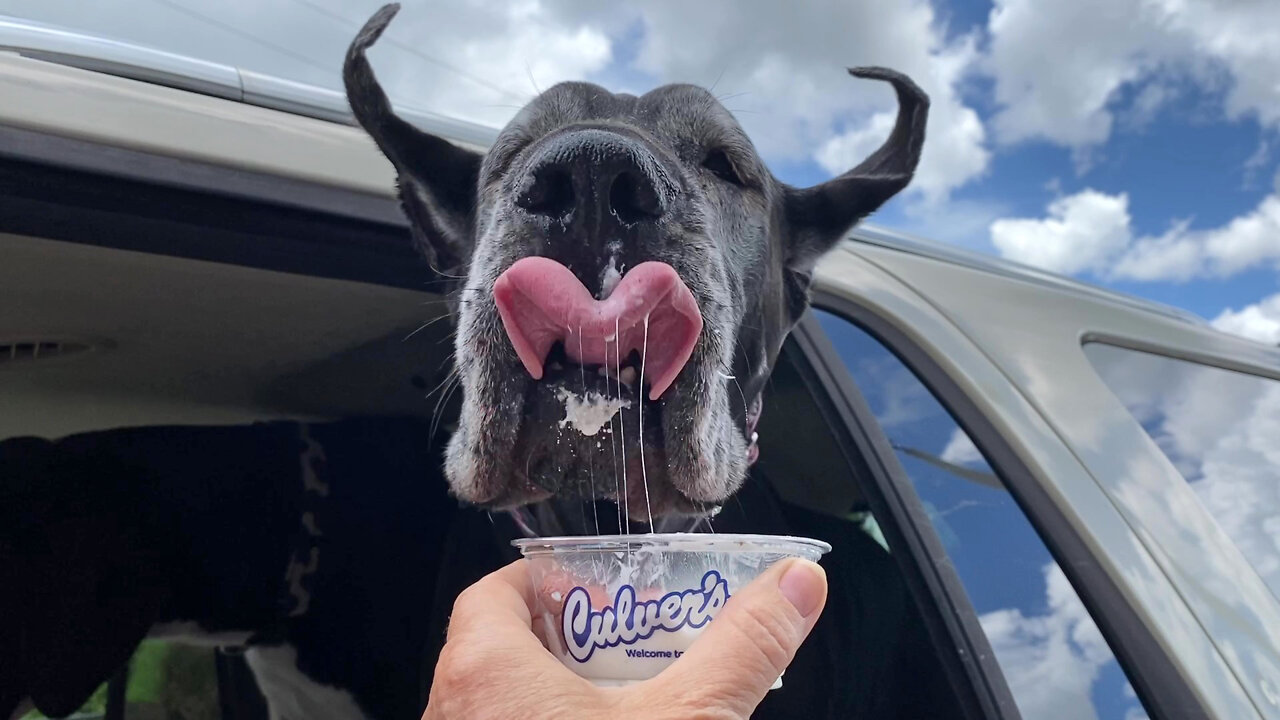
819 216
437 179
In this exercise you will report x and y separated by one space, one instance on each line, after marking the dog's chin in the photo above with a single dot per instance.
593 441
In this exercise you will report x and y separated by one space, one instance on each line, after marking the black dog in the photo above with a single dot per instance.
629 254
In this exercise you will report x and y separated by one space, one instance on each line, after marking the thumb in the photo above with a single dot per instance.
746 647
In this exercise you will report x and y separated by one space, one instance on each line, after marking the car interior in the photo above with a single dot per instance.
127 306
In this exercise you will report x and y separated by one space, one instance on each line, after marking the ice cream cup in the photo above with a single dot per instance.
618 609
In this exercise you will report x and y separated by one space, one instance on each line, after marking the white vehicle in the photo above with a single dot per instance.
1079 491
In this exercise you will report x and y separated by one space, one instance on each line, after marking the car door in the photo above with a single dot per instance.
1014 581
1179 566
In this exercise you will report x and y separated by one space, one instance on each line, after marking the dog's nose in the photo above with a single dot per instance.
593 175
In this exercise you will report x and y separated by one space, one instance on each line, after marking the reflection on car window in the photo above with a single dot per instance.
1221 429
1055 660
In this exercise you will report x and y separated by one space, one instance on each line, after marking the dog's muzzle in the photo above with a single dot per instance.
590 175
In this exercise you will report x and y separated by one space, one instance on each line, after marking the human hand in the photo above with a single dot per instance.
493 666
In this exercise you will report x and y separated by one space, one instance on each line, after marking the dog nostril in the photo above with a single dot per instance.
633 198
550 193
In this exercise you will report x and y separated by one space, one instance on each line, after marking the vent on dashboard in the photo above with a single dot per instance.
25 350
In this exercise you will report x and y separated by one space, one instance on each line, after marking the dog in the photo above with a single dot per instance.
618 252
623 272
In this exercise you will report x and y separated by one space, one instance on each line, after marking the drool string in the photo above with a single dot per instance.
591 458
643 472
626 503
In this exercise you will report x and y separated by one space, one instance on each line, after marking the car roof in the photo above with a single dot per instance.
871 234
73 48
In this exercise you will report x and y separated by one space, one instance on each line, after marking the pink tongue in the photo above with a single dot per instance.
541 301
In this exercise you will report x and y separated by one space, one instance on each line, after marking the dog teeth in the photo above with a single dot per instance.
628 376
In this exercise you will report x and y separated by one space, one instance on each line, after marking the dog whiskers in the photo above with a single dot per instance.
448 377
425 325
454 381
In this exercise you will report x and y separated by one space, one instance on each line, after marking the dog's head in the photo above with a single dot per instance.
626 272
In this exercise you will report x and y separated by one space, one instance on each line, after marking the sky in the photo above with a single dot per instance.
1130 143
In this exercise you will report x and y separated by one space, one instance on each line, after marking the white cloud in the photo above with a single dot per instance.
1218 428
958 221
1060 66
902 399
798 103
1260 321
1082 232
1257 161
1171 256
1153 98
1050 660
960 450
1092 231
780 65
956 149
1247 241
1057 65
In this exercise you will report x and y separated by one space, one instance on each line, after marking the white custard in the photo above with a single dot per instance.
590 412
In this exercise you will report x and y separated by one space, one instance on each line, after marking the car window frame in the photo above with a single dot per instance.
950 620
1163 692
85 192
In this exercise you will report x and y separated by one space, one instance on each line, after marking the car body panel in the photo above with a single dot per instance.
85 105
1025 366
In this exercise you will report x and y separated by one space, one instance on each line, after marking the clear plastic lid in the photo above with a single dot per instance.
674 542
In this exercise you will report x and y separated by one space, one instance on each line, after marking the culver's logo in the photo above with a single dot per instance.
629 620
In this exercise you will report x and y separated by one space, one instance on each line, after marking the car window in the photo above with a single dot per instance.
1055 660
1220 429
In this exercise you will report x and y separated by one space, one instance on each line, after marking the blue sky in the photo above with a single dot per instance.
1189 161
1130 143
1182 152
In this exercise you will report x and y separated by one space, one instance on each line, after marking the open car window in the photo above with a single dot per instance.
1052 655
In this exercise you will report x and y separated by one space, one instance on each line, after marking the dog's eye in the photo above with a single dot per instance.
719 164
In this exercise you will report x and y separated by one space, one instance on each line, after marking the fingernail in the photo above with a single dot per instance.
803 585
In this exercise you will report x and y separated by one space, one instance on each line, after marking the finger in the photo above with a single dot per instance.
490 651
746 647
499 605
